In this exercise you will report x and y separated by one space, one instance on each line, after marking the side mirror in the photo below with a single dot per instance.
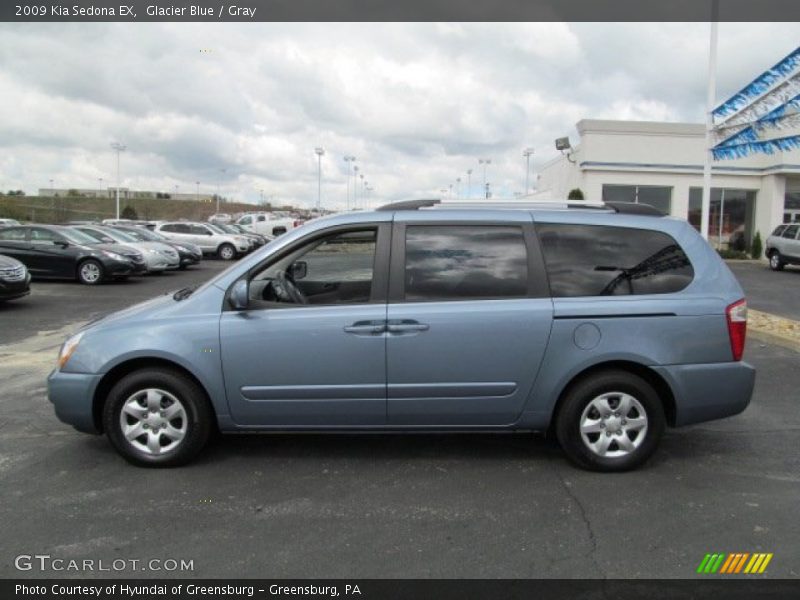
240 295
61 243
299 269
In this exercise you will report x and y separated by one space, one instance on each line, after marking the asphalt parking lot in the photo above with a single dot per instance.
776 292
463 505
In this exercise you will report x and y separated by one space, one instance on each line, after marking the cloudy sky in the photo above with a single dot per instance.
417 104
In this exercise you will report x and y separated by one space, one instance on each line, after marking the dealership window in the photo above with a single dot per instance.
657 196
731 218
791 207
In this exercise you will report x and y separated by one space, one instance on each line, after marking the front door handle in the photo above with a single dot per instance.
407 326
366 327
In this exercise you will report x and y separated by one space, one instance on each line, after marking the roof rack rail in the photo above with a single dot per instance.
410 204
635 208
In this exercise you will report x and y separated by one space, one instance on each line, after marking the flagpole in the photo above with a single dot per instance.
712 74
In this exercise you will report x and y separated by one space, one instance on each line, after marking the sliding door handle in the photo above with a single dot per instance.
407 326
366 327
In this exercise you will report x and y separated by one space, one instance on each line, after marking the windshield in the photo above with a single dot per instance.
77 237
144 235
118 235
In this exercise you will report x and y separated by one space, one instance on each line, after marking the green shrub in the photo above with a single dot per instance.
733 254
757 247
575 194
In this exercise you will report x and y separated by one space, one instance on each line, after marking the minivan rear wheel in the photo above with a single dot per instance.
157 418
775 262
610 421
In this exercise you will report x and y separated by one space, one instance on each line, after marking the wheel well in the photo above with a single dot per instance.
123 369
83 260
654 379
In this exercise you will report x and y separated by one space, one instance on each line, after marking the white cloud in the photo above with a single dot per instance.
416 103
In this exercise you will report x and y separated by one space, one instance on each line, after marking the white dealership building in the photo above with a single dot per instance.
662 164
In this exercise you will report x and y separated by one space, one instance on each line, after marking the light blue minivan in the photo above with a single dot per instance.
601 323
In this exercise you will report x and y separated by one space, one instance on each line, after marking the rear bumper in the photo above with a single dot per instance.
71 395
710 391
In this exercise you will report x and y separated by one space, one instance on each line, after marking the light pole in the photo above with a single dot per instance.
197 193
320 152
458 187
348 159
355 186
711 92
219 182
469 183
176 191
118 148
100 184
450 191
362 191
527 153
484 162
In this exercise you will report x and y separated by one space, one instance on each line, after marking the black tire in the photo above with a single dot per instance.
775 261
226 252
577 400
193 400
90 272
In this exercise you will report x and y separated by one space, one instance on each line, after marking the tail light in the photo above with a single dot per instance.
297 223
736 315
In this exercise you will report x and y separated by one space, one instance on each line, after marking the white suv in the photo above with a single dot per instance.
225 246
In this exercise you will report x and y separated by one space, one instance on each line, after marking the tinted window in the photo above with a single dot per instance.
246 220
779 230
95 235
458 262
44 235
168 228
17 235
790 232
197 230
594 260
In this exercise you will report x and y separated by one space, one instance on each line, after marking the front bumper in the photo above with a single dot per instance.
119 268
706 392
9 290
71 395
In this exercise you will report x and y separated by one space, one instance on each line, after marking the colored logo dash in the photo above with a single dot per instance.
735 562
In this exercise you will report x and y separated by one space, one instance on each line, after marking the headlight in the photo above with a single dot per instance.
181 249
68 349
113 255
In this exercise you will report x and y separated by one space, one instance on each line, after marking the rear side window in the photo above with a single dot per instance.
597 260
457 262
16 235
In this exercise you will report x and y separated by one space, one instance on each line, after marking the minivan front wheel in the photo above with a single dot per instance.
610 421
157 418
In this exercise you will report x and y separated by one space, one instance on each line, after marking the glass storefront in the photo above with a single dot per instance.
791 207
659 197
730 224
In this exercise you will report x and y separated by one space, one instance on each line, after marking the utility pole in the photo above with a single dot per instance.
527 153
118 148
320 152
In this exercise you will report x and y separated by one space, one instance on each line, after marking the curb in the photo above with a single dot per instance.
789 340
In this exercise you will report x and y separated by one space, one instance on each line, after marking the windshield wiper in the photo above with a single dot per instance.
184 293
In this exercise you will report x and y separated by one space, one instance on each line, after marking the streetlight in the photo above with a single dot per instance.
469 183
197 193
176 191
348 159
219 182
458 187
450 191
355 186
484 162
527 153
118 148
100 184
320 152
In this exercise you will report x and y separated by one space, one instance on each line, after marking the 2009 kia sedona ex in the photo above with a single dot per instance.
601 323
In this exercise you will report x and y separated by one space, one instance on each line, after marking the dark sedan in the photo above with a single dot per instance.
15 281
189 253
53 252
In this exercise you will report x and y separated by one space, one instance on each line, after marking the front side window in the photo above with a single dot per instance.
465 262
336 269
779 230
44 236
198 230
790 232
598 260
246 220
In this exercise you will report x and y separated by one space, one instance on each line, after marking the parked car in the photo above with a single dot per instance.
601 325
783 246
220 229
267 223
57 252
220 218
156 257
257 239
8 222
189 254
225 246
15 281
